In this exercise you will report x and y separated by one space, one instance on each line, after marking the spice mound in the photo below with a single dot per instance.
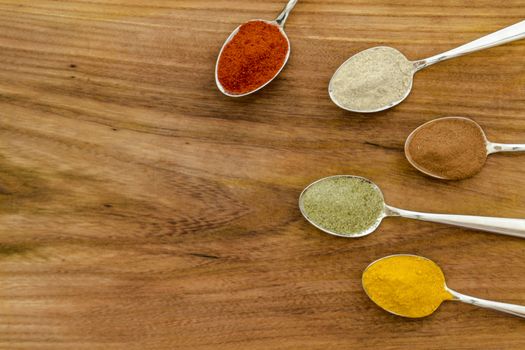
373 79
448 148
406 285
252 57
343 205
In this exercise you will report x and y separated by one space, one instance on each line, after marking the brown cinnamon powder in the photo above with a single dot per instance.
449 148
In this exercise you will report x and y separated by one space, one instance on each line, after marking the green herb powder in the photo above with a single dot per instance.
344 205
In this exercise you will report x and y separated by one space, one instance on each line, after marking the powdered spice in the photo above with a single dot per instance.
252 58
409 286
343 205
372 79
449 148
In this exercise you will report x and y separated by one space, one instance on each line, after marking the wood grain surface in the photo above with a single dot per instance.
141 209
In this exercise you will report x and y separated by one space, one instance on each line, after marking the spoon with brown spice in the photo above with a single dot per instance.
452 148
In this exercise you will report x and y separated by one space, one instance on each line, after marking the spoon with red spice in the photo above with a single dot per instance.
253 55
452 148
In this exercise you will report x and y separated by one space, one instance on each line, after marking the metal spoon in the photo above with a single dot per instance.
279 22
491 146
516 310
512 33
505 226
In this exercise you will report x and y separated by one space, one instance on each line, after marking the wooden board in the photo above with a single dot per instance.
141 209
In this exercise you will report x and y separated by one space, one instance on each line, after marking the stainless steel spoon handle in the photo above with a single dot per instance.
281 19
509 227
503 147
516 310
514 32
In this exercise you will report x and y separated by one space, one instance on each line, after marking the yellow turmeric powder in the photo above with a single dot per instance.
406 285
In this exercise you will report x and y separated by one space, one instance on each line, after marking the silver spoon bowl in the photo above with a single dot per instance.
516 310
492 147
504 226
278 22
512 33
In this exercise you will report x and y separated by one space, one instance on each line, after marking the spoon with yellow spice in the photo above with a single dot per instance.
413 286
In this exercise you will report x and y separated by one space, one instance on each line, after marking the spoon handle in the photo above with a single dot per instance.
516 310
505 226
281 19
502 147
514 32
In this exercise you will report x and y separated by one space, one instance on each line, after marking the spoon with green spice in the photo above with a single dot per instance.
352 206
381 77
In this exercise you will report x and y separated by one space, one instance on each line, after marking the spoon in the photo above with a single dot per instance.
512 33
279 22
505 226
446 295
491 147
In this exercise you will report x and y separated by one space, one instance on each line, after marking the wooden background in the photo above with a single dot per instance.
141 209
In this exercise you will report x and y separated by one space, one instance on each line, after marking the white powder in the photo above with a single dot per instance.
373 79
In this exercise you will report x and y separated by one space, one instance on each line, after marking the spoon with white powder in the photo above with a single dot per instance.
381 77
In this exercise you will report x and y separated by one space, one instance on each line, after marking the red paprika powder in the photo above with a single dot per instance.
252 57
